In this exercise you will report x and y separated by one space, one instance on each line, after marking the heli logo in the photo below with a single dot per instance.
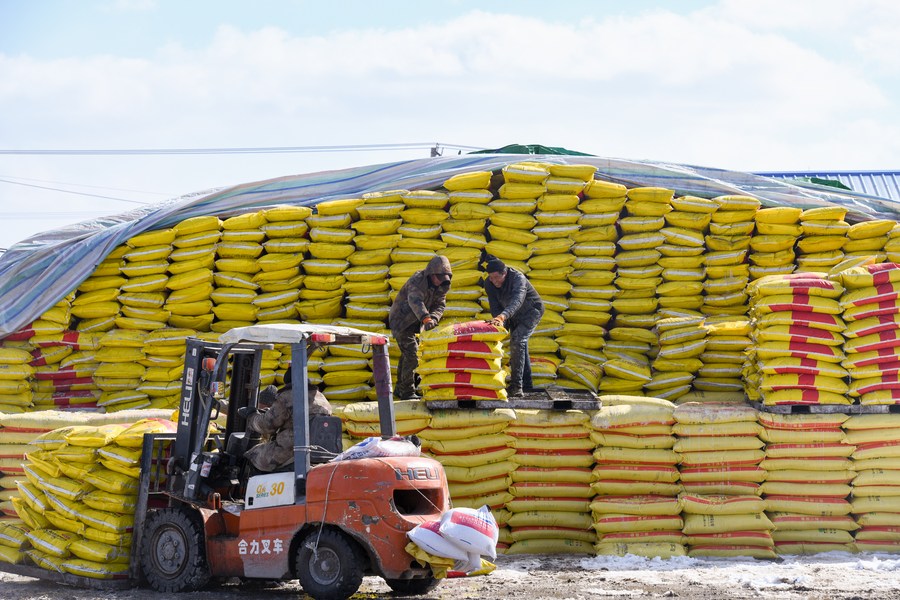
417 473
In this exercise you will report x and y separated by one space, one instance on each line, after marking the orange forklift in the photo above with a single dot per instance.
203 513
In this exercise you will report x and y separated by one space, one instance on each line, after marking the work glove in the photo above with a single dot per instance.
428 323
497 321
246 411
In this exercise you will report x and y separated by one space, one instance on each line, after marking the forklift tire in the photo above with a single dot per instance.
330 565
173 556
412 587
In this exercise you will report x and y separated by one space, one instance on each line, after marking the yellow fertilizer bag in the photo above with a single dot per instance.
470 331
132 436
721 505
467 181
631 411
698 524
522 172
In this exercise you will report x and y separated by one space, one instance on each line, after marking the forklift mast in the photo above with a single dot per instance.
199 405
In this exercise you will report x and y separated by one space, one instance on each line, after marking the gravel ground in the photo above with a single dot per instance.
836 576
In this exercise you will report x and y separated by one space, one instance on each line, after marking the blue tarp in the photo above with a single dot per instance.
36 273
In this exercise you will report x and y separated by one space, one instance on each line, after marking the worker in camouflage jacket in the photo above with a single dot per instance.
419 306
275 422
516 305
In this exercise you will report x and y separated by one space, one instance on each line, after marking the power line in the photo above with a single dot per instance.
44 187
249 150
85 185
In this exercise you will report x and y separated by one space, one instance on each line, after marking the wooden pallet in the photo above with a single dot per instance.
817 409
541 399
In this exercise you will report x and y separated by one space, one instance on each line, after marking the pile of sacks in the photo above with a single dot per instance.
76 499
462 361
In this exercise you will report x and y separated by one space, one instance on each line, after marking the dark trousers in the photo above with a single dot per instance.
520 329
409 360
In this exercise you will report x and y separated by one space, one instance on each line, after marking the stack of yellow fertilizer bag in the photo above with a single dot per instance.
280 278
75 503
552 260
591 282
543 350
727 245
68 383
15 389
95 305
681 341
346 374
798 341
62 372
871 304
876 488
892 245
683 261
420 234
476 454
367 287
824 235
511 231
868 239
463 233
551 486
193 249
636 509
772 246
62 383
720 453
638 275
720 376
361 419
461 361
121 367
808 472
234 287
238 253
146 269
161 383
331 243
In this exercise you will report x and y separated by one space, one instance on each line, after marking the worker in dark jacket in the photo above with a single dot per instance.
275 422
516 305
419 306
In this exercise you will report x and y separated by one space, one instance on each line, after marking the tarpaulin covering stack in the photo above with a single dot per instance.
610 260
636 481
551 485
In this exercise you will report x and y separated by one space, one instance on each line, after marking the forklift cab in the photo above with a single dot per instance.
236 360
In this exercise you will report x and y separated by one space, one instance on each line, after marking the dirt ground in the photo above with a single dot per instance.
835 576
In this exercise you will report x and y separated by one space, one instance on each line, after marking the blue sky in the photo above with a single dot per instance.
764 85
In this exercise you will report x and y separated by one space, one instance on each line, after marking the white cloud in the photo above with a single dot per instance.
735 86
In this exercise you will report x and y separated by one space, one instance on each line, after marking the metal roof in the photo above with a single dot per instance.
884 184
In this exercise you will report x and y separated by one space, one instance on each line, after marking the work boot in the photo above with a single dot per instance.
515 392
410 396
